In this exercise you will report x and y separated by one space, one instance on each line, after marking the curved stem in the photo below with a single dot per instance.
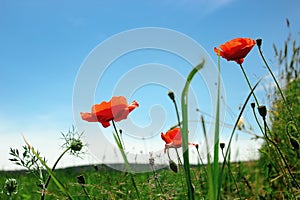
177 113
248 82
53 168
278 87
178 157
234 128
281 155
184 129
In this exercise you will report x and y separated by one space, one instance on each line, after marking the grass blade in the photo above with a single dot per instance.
184 128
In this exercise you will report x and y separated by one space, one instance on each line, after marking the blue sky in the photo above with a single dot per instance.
43 44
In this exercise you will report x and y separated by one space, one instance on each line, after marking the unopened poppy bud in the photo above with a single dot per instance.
80 179
253 105
258 42
262 111
173 166
294 143
171 95
222 145
11 186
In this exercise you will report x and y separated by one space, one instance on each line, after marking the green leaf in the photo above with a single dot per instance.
184 128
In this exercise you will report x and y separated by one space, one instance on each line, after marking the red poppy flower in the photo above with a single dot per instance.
116 109
236 49
173 138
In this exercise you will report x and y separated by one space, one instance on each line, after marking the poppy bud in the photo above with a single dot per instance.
171 95
253 105
262 111
80 179
173 166
222 145
258 42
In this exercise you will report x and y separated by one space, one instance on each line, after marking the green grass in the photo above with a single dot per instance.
107 183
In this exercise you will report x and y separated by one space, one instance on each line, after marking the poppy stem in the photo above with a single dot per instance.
278 87
127 165
233 131
177 113
202 163
248 82
178 157
280 153
172 97
231 174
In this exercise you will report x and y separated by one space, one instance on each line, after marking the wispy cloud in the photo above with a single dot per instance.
204 6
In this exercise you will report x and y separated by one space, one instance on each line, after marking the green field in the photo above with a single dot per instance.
102 182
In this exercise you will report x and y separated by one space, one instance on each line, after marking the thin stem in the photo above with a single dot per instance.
277 85
121 138
121 148
248 82
216 174
281 155
229 170
178 157
85 191
202 163
53 168
177 112
179 164
158 184
234 128
210 175
256 119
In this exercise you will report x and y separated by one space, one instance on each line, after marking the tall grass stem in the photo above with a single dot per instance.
184 129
